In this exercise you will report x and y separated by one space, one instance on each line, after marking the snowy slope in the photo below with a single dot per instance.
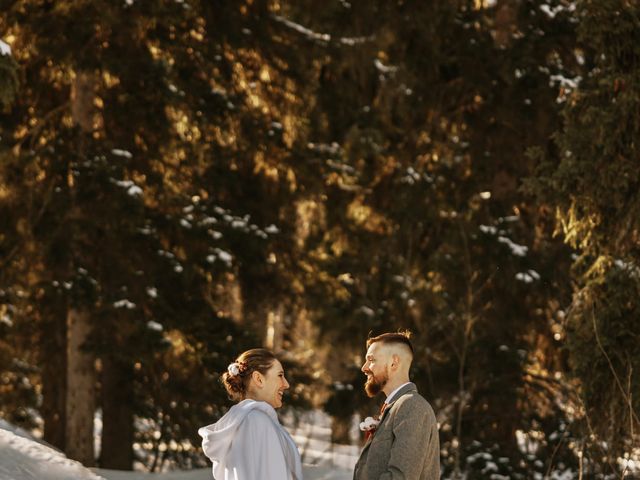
309 472
23 458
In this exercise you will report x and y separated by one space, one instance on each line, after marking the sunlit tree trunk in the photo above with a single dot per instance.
274 328
81 378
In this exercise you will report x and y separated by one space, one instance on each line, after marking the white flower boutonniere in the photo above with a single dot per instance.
369 425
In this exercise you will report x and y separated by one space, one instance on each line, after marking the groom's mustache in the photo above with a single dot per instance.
374 385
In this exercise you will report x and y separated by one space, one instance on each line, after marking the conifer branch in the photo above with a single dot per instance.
626 395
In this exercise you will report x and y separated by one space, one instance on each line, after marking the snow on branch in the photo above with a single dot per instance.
517 250
323 38
551 12
382 68
5 49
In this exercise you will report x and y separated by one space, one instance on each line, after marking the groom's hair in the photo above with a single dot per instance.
401 337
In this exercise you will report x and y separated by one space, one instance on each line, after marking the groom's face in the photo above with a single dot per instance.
376 369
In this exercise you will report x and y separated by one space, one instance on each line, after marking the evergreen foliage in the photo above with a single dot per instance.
590 177
8 79
202 177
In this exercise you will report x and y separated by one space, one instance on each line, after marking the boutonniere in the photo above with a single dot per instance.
369 426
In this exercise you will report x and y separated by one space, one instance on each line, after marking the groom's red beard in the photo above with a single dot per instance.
374 385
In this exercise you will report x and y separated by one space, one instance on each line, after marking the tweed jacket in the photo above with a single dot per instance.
405 445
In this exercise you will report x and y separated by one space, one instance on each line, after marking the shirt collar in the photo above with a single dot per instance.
391 395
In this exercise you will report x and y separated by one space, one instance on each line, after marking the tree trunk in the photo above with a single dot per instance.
81 374
117 414
340 430
82 96
53 340
80 389
274 332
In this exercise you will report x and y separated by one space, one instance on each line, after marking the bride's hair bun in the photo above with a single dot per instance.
238 375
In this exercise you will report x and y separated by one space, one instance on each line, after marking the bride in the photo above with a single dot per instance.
248 442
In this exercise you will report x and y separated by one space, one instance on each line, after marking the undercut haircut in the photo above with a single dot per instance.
399 338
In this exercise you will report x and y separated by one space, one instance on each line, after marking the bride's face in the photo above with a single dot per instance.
271 385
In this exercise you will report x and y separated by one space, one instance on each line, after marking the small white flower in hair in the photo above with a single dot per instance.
234 369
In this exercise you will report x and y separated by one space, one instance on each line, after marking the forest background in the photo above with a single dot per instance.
181 180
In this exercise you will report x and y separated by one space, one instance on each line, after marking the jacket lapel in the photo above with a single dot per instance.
406 389
409 387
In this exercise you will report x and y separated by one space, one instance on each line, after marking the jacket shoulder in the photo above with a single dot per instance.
258 417
413 401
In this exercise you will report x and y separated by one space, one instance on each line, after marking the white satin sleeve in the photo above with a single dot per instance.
256 452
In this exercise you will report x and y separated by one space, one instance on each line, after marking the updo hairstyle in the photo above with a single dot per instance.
254 360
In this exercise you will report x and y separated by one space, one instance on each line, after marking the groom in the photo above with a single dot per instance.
405 444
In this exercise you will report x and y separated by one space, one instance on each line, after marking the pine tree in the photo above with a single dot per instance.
590 178
8 75
421 129
121 177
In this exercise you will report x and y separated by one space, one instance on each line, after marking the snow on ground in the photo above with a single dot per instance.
23 457
309 472
311 431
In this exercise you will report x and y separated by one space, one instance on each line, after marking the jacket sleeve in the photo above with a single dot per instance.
207 446
416 446
256 452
